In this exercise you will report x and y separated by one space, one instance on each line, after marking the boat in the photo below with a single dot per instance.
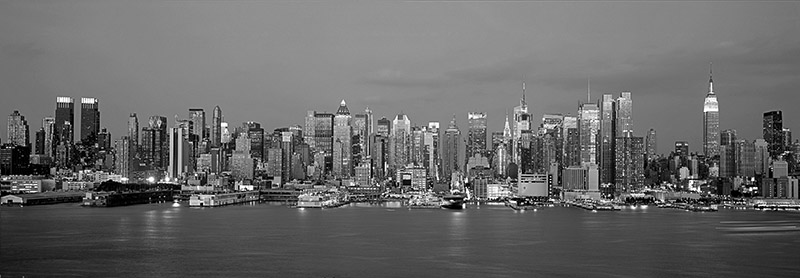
453 201
424 201
222 199
322 199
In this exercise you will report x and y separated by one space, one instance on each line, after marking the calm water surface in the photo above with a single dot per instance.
269 240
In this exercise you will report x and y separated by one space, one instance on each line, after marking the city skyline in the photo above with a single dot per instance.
672 77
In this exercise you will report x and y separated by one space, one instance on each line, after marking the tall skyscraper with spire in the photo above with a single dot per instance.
711 120
589 129
522 122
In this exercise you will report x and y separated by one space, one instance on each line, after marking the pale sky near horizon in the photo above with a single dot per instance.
270 62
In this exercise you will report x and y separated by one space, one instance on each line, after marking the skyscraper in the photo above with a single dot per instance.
711 121
400 133
589 123
572 142
122 165
452 137
476 140
773 132
624 115
133 133
155 143
762 160
65 119
323 138
179 151
432 145
630 163
608 135
651 145
18 130
90 120
682 148
342 146
198 117
522 122
745 158
727 154
216 127
48 124
384 127
256 135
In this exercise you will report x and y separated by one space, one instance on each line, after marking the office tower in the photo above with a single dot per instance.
256 135
90 120
384 127
380 155
624 115
452 136
154 150
400 133
727 154
589 123
745 158
225 134
417 149
104 139
370 123
342 136
242 166
762 160
630 163
711 122
198 117
651 145
287 152
49 126
432 147
682 148
309 126
216 127
179 152
323 138
773 133
608 135
476 138
359 140
122 160
522 122
571 147
39 143
18 130
65 113
133 133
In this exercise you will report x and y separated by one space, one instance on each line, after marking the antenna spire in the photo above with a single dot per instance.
589 89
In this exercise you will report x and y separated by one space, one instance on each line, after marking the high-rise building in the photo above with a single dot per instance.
452 136
762 160
133 134
745 158
198 117
342 136
589 132
522 122
225 133
360 140
122 161
727 154
384 127
104 139
476 138
18 130
216 127
400 133
630 163
572 142
39 142
711 122
49 126
608 135
256 135
65 119
773 133
323 138
154 150
624 115
179 153
90 120
432 149
651 145
287 152
682 148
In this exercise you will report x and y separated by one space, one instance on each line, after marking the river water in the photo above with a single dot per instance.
271 240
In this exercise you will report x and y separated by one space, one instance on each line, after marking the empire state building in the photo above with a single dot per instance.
711 121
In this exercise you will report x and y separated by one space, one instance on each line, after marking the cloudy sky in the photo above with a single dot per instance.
271 61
